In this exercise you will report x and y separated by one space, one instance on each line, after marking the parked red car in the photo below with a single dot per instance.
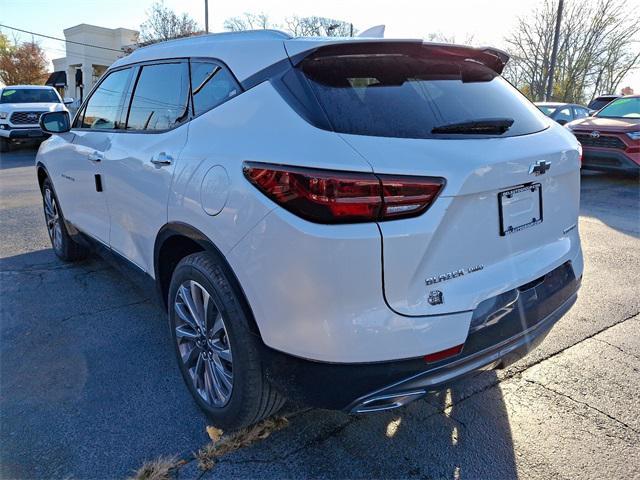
611 138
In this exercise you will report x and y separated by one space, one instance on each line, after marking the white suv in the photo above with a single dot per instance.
20 110
351 223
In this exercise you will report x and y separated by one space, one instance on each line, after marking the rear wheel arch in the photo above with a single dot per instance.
177 240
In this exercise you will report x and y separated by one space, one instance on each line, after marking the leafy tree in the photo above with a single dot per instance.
23 63
4 42
164 24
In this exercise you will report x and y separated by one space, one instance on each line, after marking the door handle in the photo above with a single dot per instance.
95 156
162 159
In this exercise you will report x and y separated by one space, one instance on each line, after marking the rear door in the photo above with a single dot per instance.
508 211
139 164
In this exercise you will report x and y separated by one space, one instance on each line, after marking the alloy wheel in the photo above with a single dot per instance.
203 343
52 217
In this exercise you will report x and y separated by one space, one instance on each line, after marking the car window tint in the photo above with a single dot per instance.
104 107
160 97
563 114
211 85
622 108
581 112
548 111
29 95
407 96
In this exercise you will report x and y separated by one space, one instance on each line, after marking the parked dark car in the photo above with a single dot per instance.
601 101
563 113
611 138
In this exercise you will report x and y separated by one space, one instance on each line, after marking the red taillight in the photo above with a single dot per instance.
326 196
408 196
442 354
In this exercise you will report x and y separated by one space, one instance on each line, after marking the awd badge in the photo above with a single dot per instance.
436 297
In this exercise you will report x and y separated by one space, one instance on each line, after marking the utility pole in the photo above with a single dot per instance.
554 52
206 15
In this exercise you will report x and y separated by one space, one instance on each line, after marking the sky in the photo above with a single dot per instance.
488 21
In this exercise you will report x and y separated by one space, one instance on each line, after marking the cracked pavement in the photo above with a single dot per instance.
89 387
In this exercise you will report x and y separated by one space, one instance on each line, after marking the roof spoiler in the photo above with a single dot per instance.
490 57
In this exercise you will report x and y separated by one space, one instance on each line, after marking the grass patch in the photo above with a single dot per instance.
161 468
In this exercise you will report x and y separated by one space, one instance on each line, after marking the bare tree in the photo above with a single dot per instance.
22 63
295 25
248 21
317 27
598 46
439 37
164 24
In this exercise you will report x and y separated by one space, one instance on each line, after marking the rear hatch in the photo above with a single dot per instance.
508 211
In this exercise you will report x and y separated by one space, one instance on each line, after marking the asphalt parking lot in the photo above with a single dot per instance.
89 387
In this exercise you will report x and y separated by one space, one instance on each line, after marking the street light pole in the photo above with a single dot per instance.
206 15
554 52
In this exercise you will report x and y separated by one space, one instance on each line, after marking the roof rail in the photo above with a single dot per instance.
263 34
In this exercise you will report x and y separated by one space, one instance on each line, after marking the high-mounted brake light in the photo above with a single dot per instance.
326 196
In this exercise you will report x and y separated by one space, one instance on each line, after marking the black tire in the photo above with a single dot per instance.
63 245
5 145
252 397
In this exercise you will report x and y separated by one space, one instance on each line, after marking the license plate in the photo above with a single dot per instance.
35 133
520 208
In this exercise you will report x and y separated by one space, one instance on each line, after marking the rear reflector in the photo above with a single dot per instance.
442 354
326 196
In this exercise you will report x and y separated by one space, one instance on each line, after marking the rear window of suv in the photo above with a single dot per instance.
407 96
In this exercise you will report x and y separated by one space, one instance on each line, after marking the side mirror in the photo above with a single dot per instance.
55 122
562 121
68 100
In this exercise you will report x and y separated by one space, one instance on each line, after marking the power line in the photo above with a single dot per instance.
60 39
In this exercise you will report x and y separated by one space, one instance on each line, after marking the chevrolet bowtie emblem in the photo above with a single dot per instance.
539 168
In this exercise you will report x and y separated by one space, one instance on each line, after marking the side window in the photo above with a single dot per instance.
563 115
581 112
103 110
160 98
211 85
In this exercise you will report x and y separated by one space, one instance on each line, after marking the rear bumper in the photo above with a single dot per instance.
610 160
503 330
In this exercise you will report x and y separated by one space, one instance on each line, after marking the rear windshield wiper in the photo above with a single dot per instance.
489 126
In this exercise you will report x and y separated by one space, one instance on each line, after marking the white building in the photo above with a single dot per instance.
83 56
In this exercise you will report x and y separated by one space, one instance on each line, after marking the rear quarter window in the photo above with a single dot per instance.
211 85
397 95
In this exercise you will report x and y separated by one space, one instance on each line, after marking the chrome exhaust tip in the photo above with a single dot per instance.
387 402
